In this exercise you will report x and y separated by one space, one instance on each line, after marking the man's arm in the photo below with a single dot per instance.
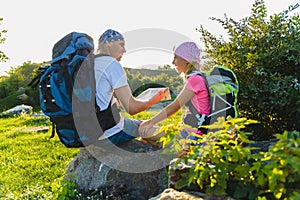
133 105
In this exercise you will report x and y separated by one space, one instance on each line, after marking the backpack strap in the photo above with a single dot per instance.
35 81
202 75
100 54
200 117
53 130
195 119
196 72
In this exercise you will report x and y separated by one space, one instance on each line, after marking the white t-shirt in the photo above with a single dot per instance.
109 75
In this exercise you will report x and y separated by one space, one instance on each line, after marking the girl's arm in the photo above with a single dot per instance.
184 96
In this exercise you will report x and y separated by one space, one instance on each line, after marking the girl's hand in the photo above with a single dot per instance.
145 123
146 129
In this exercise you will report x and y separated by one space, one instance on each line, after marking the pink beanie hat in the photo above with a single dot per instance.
189 52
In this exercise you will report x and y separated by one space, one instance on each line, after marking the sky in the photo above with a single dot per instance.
151 28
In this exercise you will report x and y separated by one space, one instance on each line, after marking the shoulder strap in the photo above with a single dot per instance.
35 81
109 104
101 54
196 72
200 74
200 117
205 79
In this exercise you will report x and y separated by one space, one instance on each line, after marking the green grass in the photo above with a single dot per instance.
32 166
30 162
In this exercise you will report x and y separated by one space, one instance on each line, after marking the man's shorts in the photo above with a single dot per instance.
129 132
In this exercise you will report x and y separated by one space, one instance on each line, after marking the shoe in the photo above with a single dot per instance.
152 142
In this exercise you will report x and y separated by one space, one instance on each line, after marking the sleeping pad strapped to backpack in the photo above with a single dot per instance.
67 93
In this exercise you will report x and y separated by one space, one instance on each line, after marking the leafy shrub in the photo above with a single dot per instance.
282 171
264 54
223 162
64 189
19 77
3 57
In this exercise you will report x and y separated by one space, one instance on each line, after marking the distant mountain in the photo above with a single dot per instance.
151 72
148 66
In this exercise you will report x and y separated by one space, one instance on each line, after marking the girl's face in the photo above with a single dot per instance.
180 64
117 49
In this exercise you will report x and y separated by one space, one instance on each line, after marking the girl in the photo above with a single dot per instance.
194 94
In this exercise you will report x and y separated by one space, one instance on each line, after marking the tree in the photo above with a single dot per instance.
19 77
265 56
3 57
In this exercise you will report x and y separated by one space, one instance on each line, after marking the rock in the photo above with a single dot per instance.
39 114
17 110
134 171
175 174
171 194
22 97
262 146
39 129
21 89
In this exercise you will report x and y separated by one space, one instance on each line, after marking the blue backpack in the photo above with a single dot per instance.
67 93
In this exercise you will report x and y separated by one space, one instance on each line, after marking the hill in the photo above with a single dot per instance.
15 84
152 72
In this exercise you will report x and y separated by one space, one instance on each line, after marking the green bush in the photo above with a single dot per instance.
19 77
224 162
264 54
3 37
282 171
